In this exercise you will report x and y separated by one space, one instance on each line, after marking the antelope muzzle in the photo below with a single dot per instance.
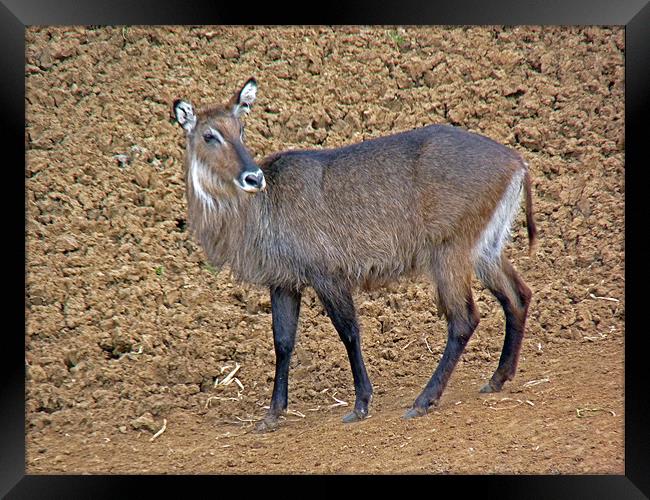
251 180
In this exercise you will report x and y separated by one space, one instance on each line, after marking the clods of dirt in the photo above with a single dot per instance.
129 326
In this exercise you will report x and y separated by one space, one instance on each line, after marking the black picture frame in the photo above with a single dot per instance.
16 15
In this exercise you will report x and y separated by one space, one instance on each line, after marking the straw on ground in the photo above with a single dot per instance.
162 429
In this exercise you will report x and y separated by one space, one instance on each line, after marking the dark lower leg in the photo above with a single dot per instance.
515 306
509 354
362 385
340 308
461 326
285 309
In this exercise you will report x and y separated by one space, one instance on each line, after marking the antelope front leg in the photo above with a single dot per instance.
340 308
285 309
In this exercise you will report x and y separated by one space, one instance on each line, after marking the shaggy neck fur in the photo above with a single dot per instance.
226 224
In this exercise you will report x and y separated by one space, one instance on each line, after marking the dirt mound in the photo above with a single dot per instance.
128 327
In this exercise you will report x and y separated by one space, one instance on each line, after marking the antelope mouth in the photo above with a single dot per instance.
251 182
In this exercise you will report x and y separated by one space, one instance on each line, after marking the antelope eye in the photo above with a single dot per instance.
213 136
210 138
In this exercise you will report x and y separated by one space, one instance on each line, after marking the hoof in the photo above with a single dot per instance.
414 412
354 416
490 387
269 424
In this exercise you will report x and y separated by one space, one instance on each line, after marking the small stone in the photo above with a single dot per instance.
389 354
230 53
122 160
145 421
142 177
66 243
45 59
120 343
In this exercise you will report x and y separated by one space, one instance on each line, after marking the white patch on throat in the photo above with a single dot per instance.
198 173
489 246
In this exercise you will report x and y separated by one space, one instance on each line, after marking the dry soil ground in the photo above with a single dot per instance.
128 327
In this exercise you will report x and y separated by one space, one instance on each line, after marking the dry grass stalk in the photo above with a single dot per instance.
581 412
162 429
338 402
611 299
519 402
599 337
536 382
427 344
228 378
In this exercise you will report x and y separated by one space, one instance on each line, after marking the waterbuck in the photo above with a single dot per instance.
436 201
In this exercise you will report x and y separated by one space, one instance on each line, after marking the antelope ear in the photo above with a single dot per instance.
245 98
184 114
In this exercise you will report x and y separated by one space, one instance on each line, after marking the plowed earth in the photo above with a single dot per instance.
128 327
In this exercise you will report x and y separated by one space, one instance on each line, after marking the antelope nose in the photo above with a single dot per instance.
253 181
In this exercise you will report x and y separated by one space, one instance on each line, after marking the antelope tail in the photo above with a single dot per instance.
530 219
